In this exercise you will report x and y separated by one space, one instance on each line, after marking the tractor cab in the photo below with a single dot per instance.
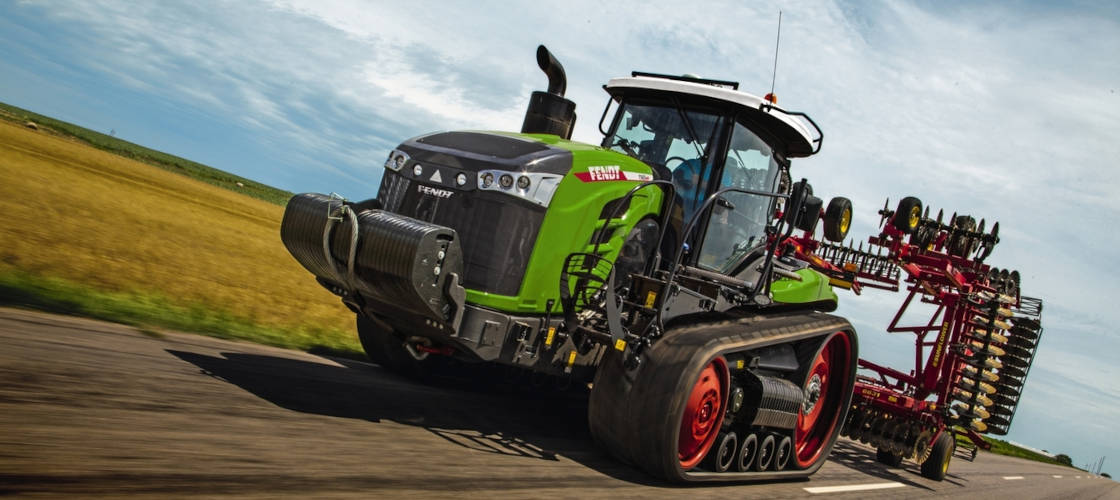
706 136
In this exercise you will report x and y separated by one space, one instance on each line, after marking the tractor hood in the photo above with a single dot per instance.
473 151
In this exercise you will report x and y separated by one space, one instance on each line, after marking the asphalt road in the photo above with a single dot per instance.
94 409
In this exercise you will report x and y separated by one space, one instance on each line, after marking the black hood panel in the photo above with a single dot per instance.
474 151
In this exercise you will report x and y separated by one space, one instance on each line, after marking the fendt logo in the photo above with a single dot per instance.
600 173
438 193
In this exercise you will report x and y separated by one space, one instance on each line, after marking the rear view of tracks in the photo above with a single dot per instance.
94 409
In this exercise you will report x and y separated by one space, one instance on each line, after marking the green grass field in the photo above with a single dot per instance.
90 232
139 153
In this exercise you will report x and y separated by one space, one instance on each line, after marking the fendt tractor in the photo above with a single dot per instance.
659 267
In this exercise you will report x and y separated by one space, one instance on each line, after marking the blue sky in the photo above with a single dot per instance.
1007 111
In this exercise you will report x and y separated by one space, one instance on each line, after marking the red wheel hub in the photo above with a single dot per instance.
703 414
824 391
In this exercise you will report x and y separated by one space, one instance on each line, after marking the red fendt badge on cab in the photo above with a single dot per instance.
611 173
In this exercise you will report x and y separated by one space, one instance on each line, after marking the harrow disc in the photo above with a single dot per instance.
1013 361
983 335
1026 322
1013 371
1019 341
1005 411
922 447
982 348
966 397
999 420
1009 390
1002 399
1024 333
1014 350
978 425
982 362
973 372
971 411
973 385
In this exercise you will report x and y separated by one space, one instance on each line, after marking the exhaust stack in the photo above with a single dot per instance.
549 112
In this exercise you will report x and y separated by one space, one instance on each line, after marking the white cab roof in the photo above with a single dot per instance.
742 99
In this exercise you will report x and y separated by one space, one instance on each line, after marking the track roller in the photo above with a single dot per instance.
783 453
766 452
722 456
748 453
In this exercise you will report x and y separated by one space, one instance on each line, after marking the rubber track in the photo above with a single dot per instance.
636 415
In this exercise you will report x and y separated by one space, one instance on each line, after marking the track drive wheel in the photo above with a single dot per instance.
937 465
824 404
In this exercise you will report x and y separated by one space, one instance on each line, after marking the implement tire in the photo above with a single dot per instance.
937 465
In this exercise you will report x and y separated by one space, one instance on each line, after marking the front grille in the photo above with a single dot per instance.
497 232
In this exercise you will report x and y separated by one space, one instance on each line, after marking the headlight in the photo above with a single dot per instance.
396 160
461 180
536 188
417 170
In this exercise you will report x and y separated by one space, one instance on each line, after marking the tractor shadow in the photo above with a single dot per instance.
478 407
862 458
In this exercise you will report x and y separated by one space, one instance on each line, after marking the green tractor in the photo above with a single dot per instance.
654 266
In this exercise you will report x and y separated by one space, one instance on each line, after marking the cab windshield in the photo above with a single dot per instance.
672 140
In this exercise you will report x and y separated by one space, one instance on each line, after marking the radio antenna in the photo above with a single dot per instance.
774 75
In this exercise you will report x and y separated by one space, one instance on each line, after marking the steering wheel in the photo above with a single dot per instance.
671 158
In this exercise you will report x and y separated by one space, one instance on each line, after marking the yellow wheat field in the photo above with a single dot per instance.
73 212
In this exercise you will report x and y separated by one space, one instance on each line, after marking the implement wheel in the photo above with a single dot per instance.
937 465
837 219
825 386
908 214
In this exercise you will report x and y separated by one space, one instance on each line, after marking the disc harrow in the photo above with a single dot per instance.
972 355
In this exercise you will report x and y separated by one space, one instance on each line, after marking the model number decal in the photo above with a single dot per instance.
600 173
431 191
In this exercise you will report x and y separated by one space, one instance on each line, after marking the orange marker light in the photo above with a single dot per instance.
771 98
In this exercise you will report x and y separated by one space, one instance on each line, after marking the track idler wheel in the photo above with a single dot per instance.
703 414
826 383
